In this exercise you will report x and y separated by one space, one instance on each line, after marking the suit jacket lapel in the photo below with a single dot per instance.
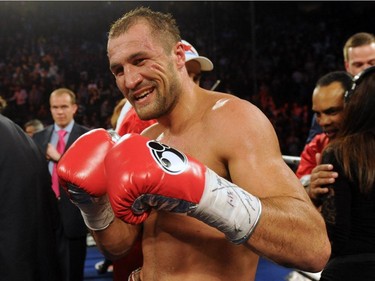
47 137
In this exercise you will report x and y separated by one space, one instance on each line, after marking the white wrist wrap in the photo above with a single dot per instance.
98 213
229 208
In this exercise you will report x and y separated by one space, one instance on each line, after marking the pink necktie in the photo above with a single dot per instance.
60 149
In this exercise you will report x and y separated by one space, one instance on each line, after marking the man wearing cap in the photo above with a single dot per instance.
195 63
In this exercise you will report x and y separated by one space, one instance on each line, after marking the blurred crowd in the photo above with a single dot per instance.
268 53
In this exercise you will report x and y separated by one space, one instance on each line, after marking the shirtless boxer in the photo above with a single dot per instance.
272 214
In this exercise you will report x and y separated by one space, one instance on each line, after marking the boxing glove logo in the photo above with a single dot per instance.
169 159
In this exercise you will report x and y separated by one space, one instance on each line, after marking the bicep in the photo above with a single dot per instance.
257 163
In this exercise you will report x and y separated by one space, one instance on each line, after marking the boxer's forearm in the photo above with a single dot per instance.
116 240
292 233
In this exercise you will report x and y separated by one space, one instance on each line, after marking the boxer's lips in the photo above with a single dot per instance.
143 95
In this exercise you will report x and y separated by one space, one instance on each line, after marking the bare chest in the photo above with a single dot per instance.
199 145
192 142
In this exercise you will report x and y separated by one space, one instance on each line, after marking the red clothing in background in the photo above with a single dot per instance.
308 161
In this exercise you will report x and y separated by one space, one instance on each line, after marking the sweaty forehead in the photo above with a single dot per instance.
363 52
137 38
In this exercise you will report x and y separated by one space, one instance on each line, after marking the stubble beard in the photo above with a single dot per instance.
164 103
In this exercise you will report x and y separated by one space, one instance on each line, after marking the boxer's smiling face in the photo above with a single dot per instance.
144 71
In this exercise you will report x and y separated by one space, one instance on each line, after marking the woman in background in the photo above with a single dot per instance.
349 209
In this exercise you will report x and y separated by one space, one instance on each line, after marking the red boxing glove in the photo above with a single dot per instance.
138 168
144 174
82 175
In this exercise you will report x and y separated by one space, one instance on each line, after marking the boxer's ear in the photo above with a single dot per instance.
179 52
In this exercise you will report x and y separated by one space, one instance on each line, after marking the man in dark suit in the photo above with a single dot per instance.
72 235
28 209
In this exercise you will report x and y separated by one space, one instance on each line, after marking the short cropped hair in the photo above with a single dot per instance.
357 40
61 91
342 77
162 25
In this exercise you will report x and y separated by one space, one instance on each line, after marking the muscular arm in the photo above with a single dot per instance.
290 230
